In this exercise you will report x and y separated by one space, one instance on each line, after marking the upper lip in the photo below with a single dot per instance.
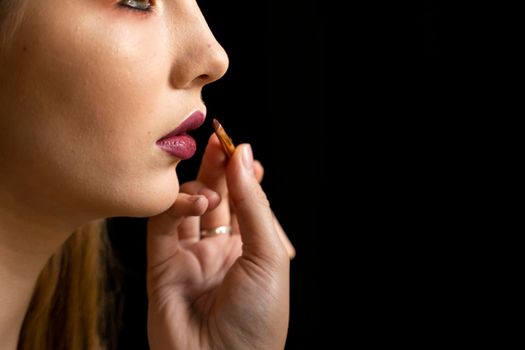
193 121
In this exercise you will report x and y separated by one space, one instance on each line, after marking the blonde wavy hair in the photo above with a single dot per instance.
74 305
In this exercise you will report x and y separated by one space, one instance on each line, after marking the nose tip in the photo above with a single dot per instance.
217 64
202 61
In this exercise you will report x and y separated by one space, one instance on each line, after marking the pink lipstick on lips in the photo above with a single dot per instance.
178 143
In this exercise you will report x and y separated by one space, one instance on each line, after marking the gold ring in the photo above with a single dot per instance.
219 230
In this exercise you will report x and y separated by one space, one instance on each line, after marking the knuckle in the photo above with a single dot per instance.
191 187
261 198
255 196
282 256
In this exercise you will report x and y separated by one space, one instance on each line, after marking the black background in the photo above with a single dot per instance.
429 22
272 97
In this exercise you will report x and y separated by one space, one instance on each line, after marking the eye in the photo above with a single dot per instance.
139 5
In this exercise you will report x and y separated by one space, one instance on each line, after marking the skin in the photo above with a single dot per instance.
87 88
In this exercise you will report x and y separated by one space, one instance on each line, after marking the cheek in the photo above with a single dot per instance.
98 75
92 86
105 73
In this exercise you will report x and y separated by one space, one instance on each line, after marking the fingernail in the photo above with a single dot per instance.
247 158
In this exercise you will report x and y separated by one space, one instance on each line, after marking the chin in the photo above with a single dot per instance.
144 201
147 209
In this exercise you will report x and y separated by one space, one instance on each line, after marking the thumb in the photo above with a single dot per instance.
259 236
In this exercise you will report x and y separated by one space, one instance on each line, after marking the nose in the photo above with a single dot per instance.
199 59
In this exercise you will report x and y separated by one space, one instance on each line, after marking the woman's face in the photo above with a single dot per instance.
87 88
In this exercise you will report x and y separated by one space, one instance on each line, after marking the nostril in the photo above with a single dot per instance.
204 77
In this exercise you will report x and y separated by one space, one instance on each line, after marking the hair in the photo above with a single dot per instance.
11 15
74 303
71 307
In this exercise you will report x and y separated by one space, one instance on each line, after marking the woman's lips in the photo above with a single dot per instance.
178 143
181 146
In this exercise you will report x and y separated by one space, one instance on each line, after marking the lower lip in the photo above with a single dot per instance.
182 146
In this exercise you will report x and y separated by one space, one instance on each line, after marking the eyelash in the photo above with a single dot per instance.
126 4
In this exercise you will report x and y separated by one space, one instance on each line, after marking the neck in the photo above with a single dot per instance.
27 241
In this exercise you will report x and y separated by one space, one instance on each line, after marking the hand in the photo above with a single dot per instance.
225 291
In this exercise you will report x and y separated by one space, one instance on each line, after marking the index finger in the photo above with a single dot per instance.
212 173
